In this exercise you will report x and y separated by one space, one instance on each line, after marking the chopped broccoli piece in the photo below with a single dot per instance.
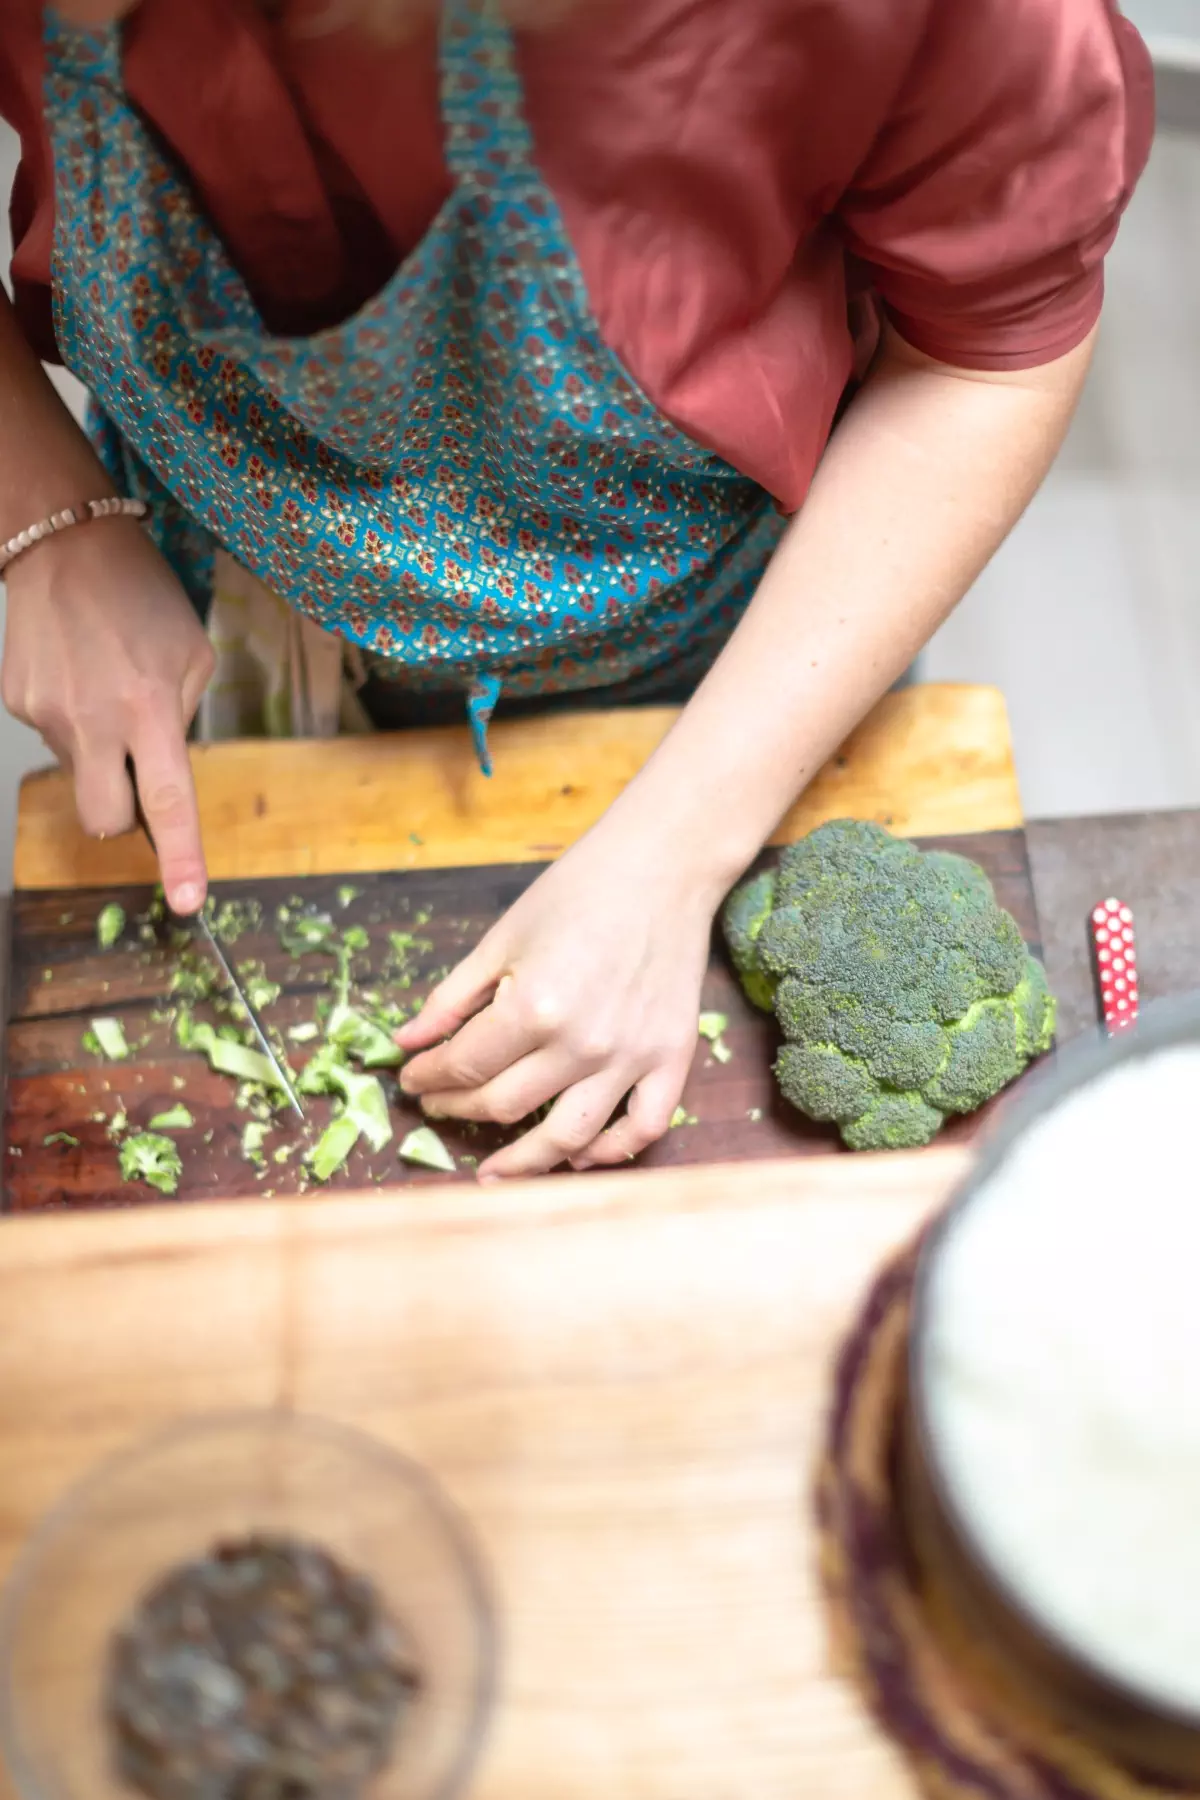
712 1027
260 991
681 1116
107 1038
333 1147
356 937
362 1039
192 980
230 1058
176 1118
153 1159
366 1104
60 1137
305 1033
109 925
403 943
302 933
346 896
425 1149
363 1095
254 1136
904 991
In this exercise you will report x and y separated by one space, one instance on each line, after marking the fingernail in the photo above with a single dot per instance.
582 1163
431 1111
188 898
488 1180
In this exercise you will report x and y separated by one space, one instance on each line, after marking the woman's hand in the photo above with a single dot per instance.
105 657
588 990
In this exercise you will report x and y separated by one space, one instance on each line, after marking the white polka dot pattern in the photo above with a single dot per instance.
1114 946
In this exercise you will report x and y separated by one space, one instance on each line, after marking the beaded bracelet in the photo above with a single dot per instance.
62 521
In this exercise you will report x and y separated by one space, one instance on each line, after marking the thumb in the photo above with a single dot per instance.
452 1002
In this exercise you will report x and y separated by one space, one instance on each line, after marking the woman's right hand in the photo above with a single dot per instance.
105 657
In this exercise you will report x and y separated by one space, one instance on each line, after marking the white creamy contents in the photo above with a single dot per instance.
1064 1372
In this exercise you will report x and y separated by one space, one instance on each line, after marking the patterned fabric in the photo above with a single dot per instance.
931 1682
462 479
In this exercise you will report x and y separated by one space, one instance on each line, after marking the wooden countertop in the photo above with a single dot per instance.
621 1382
928 760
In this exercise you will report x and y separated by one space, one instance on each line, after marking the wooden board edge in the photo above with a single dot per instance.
161 1230
928 761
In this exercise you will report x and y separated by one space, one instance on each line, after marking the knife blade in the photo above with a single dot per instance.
199 923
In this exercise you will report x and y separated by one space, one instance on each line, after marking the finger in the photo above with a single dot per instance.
168 796
466 989
515 1093
646 1118
103 793
572 1124
490 1042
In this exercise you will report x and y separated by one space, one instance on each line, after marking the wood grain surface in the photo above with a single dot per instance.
928 760
61 980
622 1383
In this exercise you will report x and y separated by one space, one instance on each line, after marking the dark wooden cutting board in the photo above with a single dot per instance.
61 980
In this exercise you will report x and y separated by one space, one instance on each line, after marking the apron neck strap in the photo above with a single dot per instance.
483 110
90 53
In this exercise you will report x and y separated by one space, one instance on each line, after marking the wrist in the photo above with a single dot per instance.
671 837
69 552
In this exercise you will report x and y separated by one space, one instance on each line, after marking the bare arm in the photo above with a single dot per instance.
926 476
103 654
589 987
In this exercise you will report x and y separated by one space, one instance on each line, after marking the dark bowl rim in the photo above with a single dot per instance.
461 1536
1167 1024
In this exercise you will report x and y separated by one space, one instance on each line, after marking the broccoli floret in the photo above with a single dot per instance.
904 991
746 912
154 1159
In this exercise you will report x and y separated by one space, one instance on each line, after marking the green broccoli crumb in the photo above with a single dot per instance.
346 896
61 1137
109 925
176 1118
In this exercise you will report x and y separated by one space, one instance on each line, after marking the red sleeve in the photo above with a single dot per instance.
986 206
32 205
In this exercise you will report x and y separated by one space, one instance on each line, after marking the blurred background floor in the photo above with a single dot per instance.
1089 619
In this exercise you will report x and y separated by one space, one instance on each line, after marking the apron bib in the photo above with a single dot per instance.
462 480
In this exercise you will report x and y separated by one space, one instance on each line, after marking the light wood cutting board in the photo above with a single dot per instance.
622 1381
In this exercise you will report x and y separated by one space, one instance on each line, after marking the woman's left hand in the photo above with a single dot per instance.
585 992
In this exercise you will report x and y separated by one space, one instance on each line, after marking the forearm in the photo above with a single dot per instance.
925 477
46 462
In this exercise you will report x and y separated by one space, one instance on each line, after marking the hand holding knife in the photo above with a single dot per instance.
200 923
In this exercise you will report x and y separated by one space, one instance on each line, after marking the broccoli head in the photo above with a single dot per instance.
904 991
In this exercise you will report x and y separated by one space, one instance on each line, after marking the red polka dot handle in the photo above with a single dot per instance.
1115 946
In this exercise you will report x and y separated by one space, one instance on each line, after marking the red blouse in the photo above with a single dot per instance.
729 171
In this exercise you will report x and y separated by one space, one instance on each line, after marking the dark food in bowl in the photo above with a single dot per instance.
264 1670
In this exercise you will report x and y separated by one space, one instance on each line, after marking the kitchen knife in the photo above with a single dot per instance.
200 923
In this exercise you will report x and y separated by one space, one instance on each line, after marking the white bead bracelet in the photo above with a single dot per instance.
62 521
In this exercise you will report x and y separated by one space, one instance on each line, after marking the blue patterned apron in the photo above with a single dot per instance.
462 479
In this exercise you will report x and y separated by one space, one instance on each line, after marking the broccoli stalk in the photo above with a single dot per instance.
904 991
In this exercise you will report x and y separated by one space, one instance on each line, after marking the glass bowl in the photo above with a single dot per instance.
229 1476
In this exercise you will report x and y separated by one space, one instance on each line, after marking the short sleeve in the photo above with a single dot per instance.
32 201
985 208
